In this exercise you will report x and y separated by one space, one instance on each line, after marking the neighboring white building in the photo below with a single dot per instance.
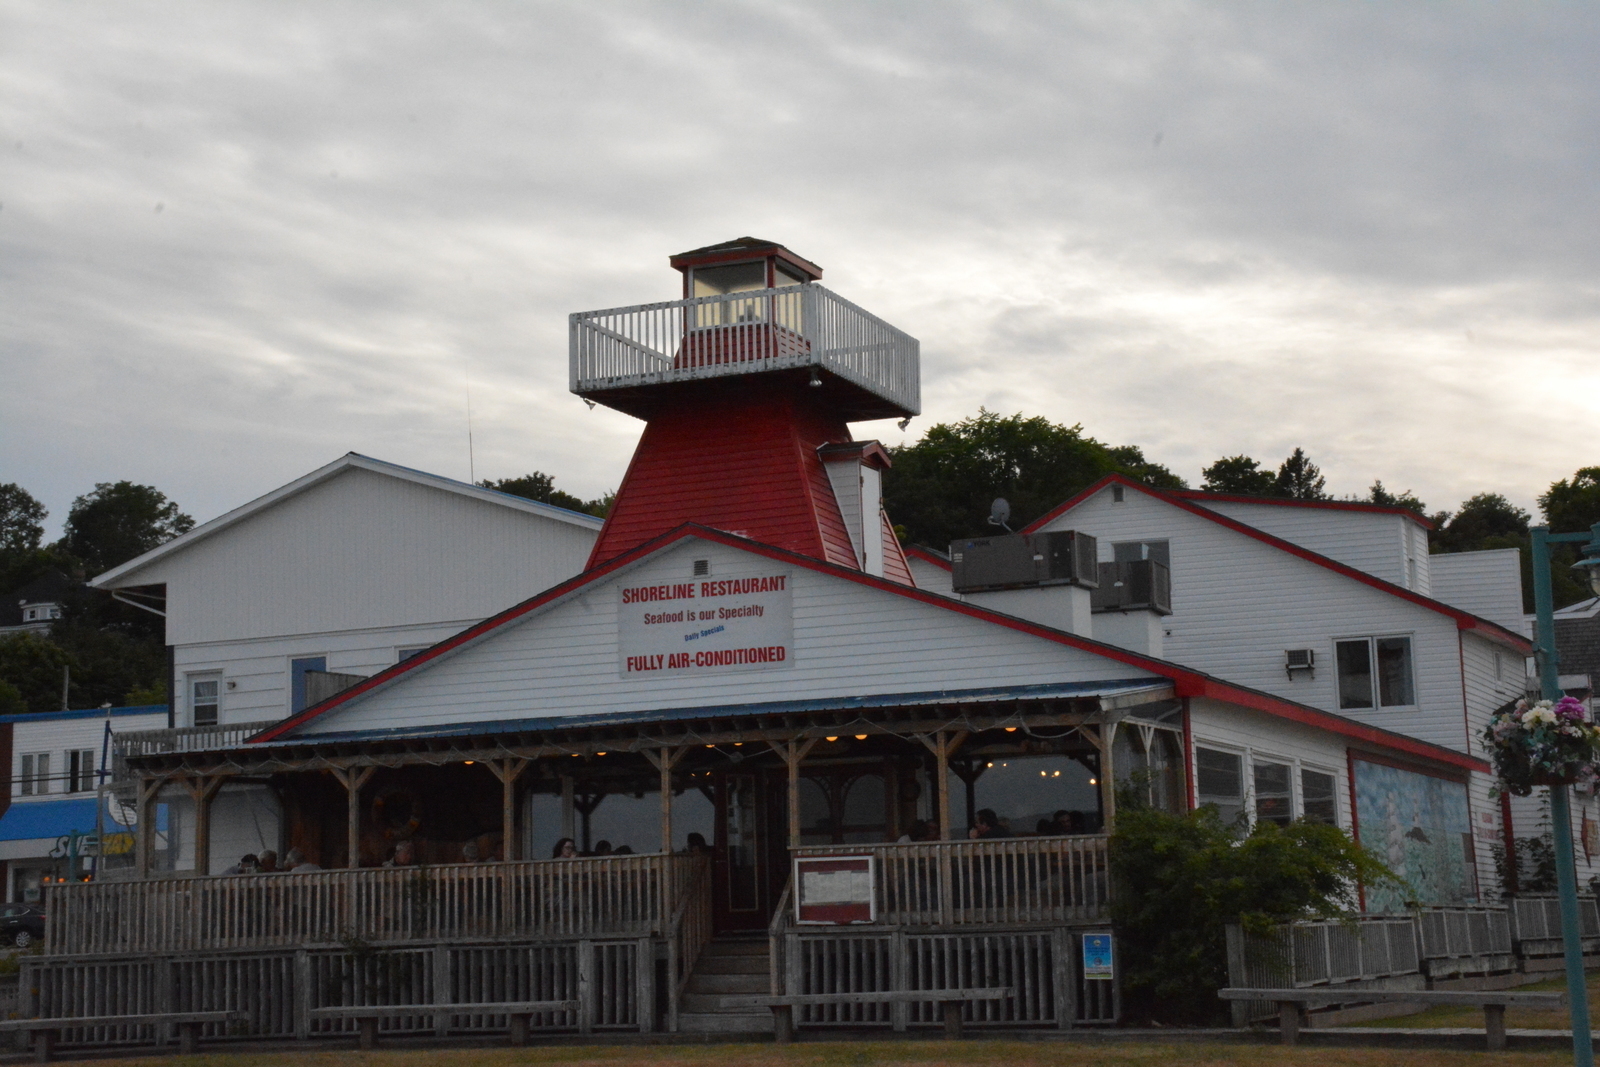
1326 604
334 577
53 766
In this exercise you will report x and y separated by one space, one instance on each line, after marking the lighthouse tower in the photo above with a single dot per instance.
747 386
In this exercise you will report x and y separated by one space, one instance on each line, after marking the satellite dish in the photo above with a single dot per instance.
1000 513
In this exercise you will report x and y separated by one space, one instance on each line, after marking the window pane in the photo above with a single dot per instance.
1131 551
1274 803
41 770
737 278
27 776
1394 672
1355 673
1219 780
1316 798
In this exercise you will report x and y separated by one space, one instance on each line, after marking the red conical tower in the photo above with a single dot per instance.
747 386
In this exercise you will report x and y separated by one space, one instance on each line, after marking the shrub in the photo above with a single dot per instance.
1180 879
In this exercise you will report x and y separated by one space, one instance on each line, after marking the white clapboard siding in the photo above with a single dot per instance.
1239 603
1373 541
363 550
930 576
67 733
849 639
1255 735
258 669
1487 583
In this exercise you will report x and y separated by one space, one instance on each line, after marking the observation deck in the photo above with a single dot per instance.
637 359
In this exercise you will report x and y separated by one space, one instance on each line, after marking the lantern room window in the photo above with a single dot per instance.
734 278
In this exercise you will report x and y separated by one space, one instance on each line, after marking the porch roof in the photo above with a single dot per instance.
902 714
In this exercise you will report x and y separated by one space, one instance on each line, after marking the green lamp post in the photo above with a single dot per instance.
1560 809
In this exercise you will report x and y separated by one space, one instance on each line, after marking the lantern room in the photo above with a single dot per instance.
741 266
750 308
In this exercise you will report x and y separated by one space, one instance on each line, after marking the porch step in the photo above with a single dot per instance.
726 966
724 1022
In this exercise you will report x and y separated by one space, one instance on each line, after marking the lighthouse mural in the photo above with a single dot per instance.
747 387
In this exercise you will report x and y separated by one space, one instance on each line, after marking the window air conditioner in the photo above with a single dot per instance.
1299 659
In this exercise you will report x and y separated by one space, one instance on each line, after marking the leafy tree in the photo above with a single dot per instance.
1238 474
118 521
1487 520
1379 495
537 485
11 702
21 520
1180 879
34 668
1573 504
940 488
1300 479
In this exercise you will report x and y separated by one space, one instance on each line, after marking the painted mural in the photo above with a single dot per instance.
1421 827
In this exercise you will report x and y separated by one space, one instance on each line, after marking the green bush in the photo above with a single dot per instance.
1180 879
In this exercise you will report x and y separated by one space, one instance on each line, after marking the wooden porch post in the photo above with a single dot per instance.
667 759
942 745
793 751
568 809
1108 777
508 770
203 789
148 788
353 779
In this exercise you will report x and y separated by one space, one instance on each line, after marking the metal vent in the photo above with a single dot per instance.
702 567
1134 585
1015 561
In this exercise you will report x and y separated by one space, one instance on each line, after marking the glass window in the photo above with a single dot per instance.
1317 802
401 655
80 770
816 812
35 774
1219 781
1354 659
1394 672
1274 802
788 276
865 809
1033 794
203 700
735 278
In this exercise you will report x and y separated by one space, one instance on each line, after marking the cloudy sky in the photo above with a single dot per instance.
240 239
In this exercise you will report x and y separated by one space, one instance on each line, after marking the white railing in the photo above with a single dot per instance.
743 333
1463 932
1011 880
613 896
136 743
1536 924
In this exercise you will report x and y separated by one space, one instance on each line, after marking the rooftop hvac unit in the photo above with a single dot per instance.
1016 561
1136 585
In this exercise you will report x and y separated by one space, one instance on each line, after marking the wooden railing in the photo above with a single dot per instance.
1010 880
613 896
690 927
742 333
179 739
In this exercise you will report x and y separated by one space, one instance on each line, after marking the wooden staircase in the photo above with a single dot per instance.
727 965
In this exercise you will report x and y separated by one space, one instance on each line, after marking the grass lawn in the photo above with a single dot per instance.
1524 1018
869 1054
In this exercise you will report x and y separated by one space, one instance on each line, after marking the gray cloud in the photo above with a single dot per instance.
236 241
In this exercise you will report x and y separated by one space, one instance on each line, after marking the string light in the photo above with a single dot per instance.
861 737
832 739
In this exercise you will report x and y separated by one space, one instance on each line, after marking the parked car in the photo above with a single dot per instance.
21 924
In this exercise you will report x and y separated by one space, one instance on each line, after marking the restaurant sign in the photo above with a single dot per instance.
834 889
706 626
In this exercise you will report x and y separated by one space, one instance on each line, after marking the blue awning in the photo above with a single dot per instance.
30 820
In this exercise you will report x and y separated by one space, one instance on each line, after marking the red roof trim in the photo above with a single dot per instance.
1283 502
918 552
1464 620
1186 681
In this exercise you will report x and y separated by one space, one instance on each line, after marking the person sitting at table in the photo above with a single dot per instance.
246 865
601 848
295 860
405 855
566 849
267 862
695 844
987 826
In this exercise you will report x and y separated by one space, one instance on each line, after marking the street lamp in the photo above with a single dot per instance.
1560 810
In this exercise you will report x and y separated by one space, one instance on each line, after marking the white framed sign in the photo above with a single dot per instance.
835 890
706 626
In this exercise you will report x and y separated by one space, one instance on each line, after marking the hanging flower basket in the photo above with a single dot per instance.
1543 744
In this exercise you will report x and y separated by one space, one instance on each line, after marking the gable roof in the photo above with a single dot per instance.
1286 502
1464 620
929 555
118 577
1186 681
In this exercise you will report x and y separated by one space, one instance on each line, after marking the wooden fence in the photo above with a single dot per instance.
1010 880
546 899
613 982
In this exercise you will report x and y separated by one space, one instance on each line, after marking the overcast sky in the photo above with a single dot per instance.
240 239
